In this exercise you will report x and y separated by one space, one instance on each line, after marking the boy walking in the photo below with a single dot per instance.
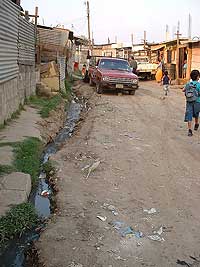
192 94
166 82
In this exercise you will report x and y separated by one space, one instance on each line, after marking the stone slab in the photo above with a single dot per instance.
14 189
6 155
17 181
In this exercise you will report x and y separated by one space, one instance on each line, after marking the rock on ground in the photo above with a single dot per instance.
14 189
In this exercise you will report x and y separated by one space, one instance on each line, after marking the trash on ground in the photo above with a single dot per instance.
138 234
159 232
42 175
102 218
110 208
93 167
85 168
120 258
45 193
117 225
150 211
156 238
154 164
183 263
124 231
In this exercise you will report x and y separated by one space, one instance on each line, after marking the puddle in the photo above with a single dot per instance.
14 255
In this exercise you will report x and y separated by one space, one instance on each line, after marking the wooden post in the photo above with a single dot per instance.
177 52
189 61
89 34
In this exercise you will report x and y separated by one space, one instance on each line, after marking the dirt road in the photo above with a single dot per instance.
147 161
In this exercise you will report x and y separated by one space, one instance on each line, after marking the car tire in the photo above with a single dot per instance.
91 83
99 89
132 92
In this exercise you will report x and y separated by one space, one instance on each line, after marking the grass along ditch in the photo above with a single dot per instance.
32 156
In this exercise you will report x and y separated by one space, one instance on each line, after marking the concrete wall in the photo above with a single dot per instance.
14 92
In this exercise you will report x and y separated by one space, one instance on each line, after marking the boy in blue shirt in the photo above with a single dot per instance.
192 94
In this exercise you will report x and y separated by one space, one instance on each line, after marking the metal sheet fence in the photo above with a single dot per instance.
8 40
26 42
17 41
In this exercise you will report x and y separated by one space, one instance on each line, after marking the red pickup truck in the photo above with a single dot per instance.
114 74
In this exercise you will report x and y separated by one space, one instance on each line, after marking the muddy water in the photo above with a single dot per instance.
14 255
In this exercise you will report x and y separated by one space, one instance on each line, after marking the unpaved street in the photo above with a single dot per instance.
147 161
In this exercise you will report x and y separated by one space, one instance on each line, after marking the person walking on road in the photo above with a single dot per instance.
166 82
133 64
192 94
159 72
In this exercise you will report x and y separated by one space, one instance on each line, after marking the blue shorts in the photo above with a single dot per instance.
192 111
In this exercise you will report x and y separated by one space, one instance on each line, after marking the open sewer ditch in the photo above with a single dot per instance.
17 253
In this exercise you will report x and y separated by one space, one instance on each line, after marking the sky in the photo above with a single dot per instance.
111 18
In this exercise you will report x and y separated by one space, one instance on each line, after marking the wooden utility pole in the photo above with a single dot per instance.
132 39
89 31
145 39
190 27
177 52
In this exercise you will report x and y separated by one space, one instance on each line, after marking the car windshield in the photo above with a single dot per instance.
113 64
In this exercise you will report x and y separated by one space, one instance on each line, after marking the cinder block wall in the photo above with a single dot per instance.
14 92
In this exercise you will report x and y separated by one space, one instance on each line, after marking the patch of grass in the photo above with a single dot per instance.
6 169
17 221
46 105
27 157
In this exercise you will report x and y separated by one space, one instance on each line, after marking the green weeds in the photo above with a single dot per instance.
17 221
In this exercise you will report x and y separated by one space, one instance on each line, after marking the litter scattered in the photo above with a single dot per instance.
110 208
42 175
183 263
93 167
102 218
45 193
117 225
124 231
120 258
156 238
150 211
154 164
85 168
138 234
159 232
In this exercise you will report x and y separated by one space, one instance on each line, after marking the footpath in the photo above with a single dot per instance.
15 187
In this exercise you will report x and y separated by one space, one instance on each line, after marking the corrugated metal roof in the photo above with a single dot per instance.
8 40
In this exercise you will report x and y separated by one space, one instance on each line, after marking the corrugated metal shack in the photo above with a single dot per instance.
54 45
17 58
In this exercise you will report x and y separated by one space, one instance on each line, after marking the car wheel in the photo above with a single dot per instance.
91 83
99 88
132 92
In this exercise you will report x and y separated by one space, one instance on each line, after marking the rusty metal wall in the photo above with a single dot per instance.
8 40
26 43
